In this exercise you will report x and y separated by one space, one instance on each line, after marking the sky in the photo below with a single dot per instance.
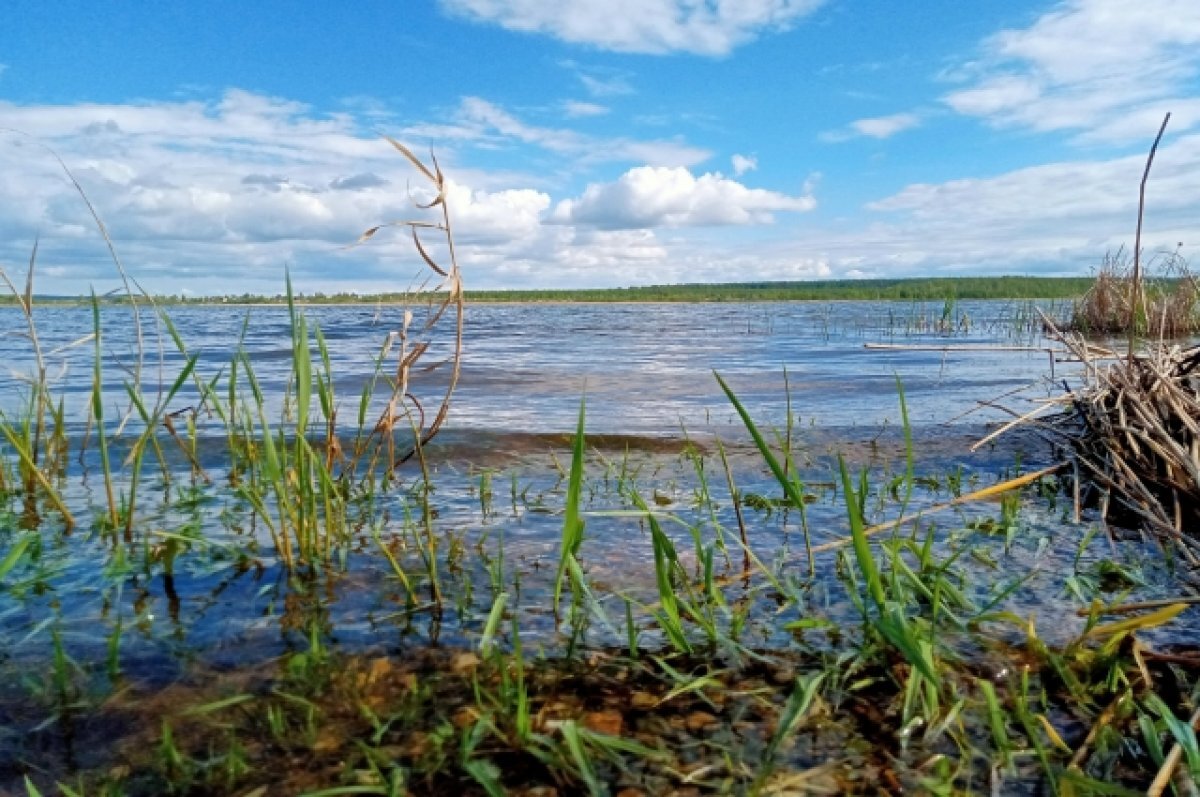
591 143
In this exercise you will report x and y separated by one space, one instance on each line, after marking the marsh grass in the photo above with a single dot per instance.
296 462
1165 306
688 702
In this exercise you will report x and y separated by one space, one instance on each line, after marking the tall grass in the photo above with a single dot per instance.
1163 305
292 471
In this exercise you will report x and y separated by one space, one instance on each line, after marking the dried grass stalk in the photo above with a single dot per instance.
1166 306
404 410
1134 427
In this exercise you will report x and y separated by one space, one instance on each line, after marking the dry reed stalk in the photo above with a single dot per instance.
1134 430
1138 297
1134 425
404 409
982 494
1121 300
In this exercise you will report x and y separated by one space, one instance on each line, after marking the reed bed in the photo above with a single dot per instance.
1121 303
1133 425
1134 429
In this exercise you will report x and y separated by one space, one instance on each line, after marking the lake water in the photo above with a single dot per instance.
647 373
646 368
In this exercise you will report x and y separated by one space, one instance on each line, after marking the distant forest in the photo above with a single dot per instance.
931 289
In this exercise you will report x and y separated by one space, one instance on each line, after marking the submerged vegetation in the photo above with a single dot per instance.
740 615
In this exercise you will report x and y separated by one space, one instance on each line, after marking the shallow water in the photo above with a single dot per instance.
647 374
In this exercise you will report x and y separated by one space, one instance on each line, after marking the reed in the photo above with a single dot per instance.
1164 305
1131 427
36 433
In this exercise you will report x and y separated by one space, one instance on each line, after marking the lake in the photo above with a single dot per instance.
199 585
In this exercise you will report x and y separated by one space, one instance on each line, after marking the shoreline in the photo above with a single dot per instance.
925 289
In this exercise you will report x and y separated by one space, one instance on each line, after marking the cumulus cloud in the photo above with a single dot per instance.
498 216
649 196
218 195
743 164
1102 68
711 28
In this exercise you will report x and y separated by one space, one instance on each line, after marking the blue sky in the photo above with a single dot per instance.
593 142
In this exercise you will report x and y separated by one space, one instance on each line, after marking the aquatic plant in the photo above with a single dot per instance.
1164 304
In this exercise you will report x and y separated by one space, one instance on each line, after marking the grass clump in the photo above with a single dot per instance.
1166 306
1133 427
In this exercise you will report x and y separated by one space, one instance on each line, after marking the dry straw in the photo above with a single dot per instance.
1133 425
405 409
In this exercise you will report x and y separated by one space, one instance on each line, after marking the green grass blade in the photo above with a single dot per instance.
572 530
14 555
587 772
909 457
790 488
487 641
862 547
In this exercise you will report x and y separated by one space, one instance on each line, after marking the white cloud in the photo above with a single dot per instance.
575 108
1053 218
216 197
648 196
495 217
482 121
714 27
878 127
358 182
219 195
743 164
600 81
1090 66
611 86
885 126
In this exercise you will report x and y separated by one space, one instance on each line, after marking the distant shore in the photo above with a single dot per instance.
918 289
